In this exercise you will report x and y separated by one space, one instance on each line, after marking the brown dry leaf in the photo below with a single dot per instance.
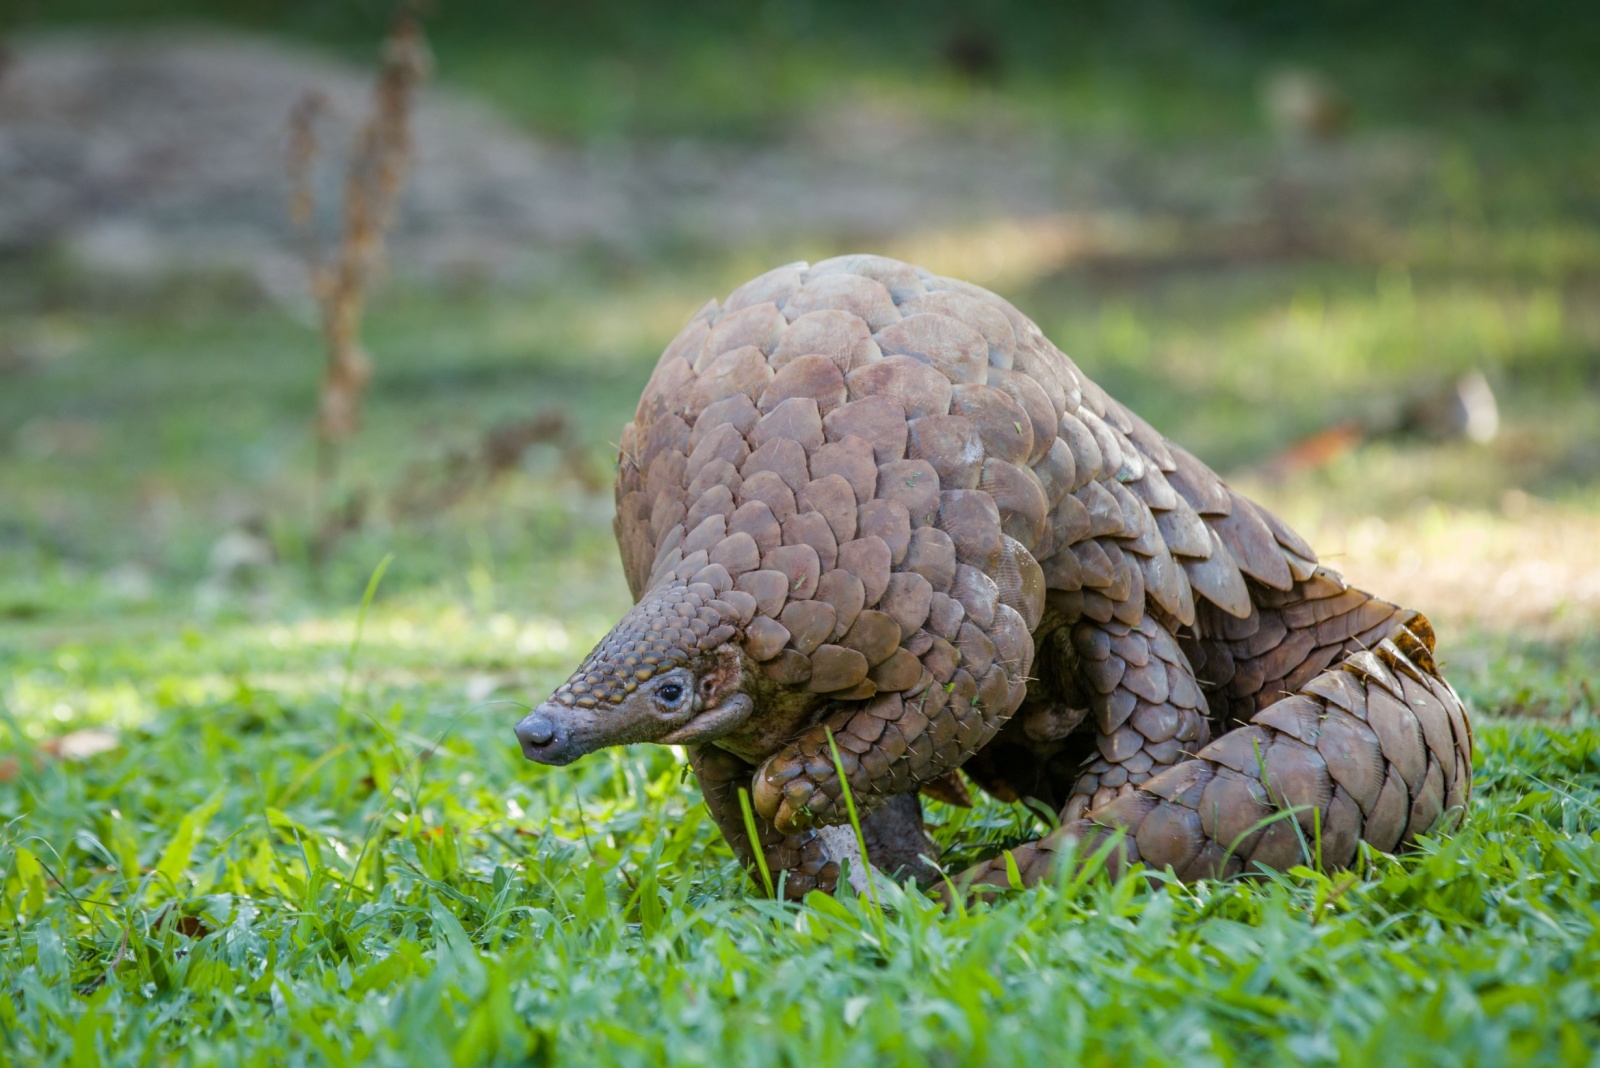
76 745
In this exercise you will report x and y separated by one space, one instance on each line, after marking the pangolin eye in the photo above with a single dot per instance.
670 692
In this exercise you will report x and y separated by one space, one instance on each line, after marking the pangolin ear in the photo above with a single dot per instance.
721 676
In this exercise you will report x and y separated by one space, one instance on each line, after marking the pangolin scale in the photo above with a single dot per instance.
858 499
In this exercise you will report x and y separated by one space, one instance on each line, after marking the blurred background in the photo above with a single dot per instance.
1346 252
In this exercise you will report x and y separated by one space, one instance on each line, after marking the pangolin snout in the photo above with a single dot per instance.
541 739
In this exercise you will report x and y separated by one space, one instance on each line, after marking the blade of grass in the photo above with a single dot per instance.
361 622
861 839
755 840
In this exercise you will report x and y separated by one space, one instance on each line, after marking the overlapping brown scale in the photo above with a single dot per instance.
765 638
1056 471
814 376
907 599
919 388
756 519
1032 399
782 456
1021 581
834 668
875 635
796 419
912 484
1298 779
861 297
769 588
1003 427
686 345
809 623
852 458
1184 531
716 499
977 593
838 335
1390 813
665 390
738 553
982 316
1427 804
1167 585
870 561
1252 545
723 443
812 529
1111 458
1217 578
945 615
767 487
879 420
665 473
1095 567
972 522
1046 365
1105 514
713 473
758 326
950 443
931 553
774 287
843 591
831 497
1197 484
1138 525
1019 498
1127 584
889 521
1399 735
948 345
903 281
668 432
1013 643
742 370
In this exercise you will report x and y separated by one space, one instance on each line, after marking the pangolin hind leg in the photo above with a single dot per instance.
1149 712
1375 748
1147 706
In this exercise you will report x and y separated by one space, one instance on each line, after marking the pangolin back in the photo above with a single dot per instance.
824 414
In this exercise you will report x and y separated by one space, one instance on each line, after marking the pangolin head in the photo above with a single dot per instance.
669 672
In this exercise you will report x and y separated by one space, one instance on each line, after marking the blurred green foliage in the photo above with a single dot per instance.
313 840
1151 67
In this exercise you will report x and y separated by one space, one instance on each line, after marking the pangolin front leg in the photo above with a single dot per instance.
891 744
801 856
897 844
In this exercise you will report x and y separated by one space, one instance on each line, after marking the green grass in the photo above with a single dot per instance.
299 847
262 871
259 873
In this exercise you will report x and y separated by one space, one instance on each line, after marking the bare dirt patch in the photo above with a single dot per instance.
141 153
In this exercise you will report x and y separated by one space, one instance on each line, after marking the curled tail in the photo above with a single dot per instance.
1375 748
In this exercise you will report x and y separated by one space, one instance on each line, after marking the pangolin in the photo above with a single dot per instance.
862 502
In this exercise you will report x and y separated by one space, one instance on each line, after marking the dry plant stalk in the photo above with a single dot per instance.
373 182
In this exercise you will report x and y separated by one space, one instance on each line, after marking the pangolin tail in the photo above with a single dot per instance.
1376 748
